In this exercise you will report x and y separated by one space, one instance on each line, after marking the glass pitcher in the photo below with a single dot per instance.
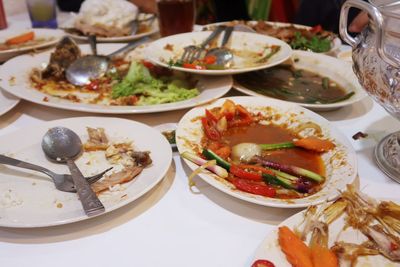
376 63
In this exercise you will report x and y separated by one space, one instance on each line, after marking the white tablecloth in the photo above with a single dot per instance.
170 226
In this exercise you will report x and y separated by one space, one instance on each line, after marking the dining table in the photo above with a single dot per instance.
171 225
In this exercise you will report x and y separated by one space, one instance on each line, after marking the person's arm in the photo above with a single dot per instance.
359 22
147 6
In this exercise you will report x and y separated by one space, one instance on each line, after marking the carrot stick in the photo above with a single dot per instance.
322 256
22 38
315 144
297 253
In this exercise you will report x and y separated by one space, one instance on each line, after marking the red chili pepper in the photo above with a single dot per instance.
241 173
393 246
208 60
253 188
211 117
93 85
256 168
209 129
316 29
193 66
147 64
262 263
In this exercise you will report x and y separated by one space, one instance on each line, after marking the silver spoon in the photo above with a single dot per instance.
90 67
62 145
224 57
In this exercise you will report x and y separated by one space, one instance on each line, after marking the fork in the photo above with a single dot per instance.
193 52
63 182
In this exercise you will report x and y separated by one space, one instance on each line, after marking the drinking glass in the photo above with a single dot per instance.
175 16
42 13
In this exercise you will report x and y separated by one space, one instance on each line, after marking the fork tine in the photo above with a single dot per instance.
97 177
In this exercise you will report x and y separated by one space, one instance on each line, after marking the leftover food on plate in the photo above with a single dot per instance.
23 40
355 230
259 157
298 37
288 83
245 58
121 155
125 83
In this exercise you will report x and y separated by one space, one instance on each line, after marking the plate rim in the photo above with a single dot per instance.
167 155
253 199
95 108
10 107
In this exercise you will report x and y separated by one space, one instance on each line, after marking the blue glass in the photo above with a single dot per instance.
42 13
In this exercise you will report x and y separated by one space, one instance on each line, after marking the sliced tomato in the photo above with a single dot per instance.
193 66
262 263
316 29
253 188
211 117
209 129
241 173
208 60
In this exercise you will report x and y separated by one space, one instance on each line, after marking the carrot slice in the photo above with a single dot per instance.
22 38
322 256
315 144
297 253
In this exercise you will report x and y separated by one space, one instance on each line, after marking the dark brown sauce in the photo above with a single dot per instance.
287 83
269 134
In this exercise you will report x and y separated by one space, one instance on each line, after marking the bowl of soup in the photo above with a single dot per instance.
314 81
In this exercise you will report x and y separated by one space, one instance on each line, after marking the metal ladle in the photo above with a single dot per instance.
62 145
90 67
224 57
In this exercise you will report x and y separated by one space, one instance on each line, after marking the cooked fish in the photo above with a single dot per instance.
66 52
97 139
120 177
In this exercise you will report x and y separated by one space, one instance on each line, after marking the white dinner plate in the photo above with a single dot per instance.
269 248
29 199
170 48
335 43
7 102
50 36
340 163
336 70
153 29
14 75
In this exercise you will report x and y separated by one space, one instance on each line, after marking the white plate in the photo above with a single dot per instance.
241 41
20 68
340 163
51 35
7 102
269 248
34 195
336 70
335 43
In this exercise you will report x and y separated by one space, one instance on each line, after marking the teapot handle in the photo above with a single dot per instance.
376 16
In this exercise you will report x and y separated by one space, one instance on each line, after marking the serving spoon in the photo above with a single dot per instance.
224 57
62 145
90 67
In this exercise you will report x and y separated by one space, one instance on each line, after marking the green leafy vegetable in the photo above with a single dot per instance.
150 90
316 43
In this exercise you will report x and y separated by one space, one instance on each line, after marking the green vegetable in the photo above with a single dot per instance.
221 172
150 90
277 146
316 43
220 161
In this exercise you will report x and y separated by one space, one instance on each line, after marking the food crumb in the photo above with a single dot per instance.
169 47
359 135
33 183
45 99
59 205
12 80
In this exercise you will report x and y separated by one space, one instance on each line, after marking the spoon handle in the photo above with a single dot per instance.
25 165
90 202
227 35
93 44
129 46
213 35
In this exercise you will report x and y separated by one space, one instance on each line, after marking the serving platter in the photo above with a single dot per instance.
340 163
50 37
337 71
171 48
15 73
29 199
